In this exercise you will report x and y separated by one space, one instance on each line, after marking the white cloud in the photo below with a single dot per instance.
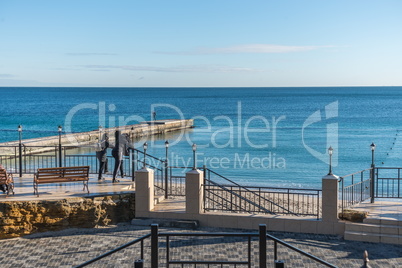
249 48
176 69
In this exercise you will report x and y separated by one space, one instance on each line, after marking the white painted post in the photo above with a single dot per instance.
144 192
330 198
194 191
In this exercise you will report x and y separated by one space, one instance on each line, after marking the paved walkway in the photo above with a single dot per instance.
382 209
71 247
24 188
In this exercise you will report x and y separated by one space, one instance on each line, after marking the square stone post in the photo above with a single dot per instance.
144 191
330 198
194 191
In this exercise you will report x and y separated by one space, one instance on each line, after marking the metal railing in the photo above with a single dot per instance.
388 182
232 197
179 237
355 188
267 200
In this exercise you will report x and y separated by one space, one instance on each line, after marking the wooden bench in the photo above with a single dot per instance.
61 174
8 180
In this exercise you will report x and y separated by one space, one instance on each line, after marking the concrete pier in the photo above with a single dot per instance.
89 138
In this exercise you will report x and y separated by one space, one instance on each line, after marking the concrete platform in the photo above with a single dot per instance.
382 209
24 189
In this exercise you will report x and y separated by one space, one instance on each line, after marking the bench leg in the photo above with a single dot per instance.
86 186
36 189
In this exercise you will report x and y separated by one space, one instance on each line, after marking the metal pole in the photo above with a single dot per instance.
194 160
60 159
20 149
132 153
263 245
372 177
166 172
154 245
330 164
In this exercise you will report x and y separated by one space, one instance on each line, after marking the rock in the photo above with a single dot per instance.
20 218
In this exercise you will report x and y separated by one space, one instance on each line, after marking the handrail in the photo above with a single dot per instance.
167 235
277 240
241 197
141 239
248 190
355 173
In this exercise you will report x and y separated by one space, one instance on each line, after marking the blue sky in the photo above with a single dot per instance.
257 43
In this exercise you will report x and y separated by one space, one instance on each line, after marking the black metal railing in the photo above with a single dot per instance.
223 194
388 182
250 255
266 200
355 188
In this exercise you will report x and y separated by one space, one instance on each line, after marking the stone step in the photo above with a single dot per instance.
373 237
187 224
374 228
382 221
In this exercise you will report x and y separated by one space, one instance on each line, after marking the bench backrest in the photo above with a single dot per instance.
62 172
3 174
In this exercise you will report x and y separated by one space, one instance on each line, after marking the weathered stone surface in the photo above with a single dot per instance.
353 215
18 218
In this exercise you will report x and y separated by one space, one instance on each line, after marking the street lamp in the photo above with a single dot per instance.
166 168
145 153
60 128
166 150
372 184
372 146
20 147
194 149
330 152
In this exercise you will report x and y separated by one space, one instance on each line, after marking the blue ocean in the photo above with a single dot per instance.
255 136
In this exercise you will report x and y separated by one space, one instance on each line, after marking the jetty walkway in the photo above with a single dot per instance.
51 143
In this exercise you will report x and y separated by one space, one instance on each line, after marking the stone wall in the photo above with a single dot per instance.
26 217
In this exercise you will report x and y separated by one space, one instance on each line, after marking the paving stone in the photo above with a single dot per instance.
74 246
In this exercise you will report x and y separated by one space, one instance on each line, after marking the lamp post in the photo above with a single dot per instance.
145 153
60 128
20 148
166 168
330 152
194 149
372 147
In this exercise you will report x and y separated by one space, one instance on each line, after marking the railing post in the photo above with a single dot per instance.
263 245
194 192
144 192
20 156
372 183
132 153
330 198
166 179
154 245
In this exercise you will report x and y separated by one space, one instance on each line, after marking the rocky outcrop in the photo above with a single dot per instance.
18 218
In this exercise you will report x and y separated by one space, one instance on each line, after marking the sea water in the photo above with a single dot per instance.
256 136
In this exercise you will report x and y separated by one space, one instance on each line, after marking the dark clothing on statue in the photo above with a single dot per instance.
121 148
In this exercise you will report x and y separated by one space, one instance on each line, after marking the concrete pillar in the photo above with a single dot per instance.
194 192
330 198
144 192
